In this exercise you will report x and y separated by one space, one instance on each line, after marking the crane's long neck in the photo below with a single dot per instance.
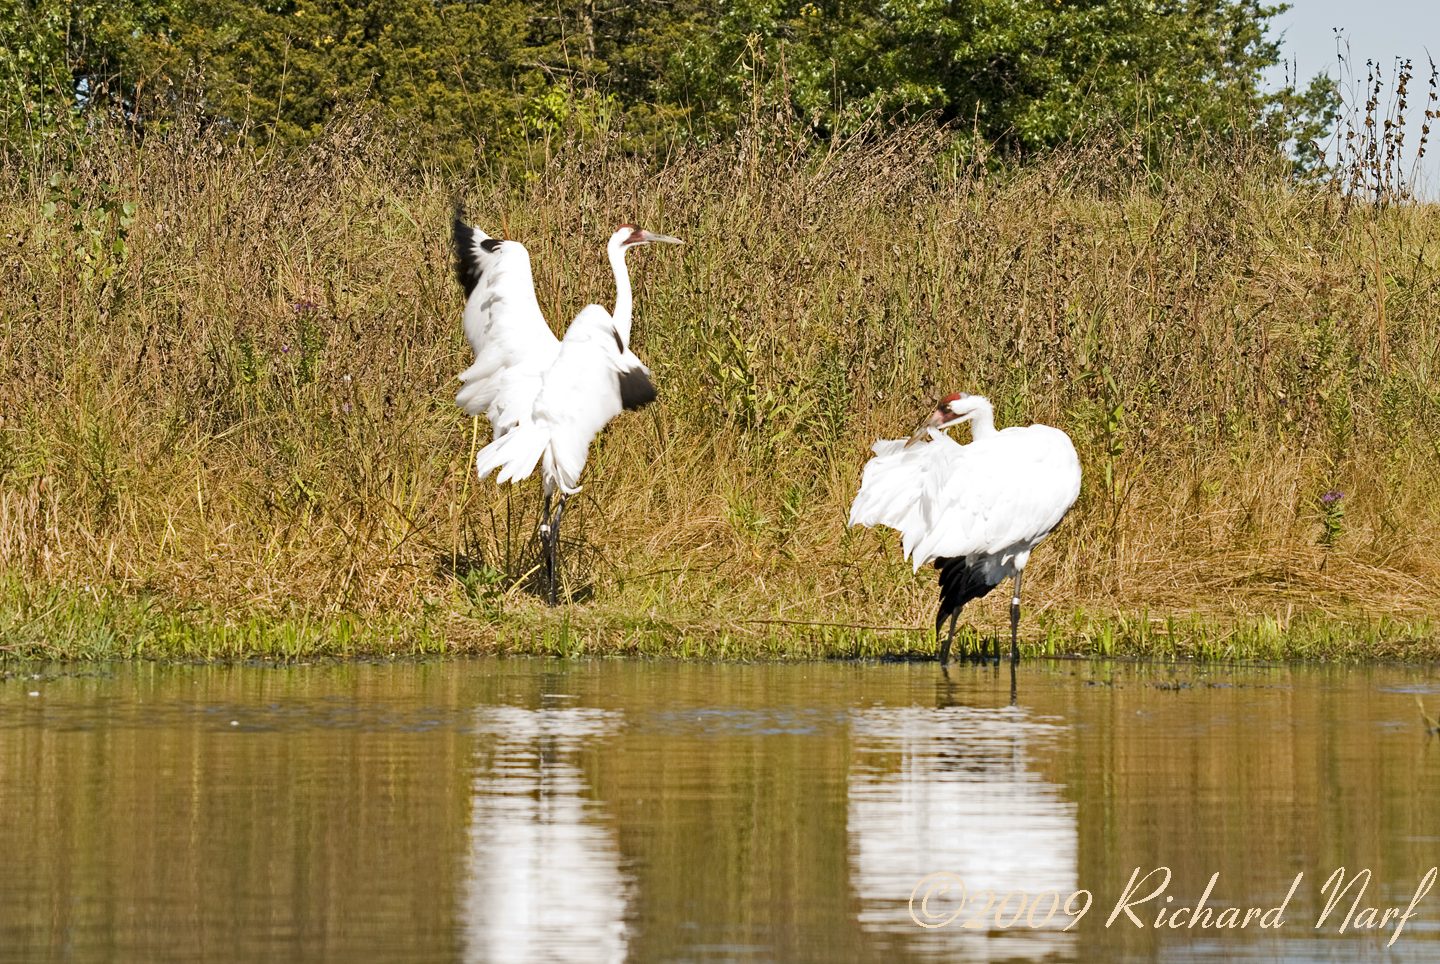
623 303
982 423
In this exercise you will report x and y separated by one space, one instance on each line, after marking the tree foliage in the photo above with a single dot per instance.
1029 73
486 75
58 57
445 70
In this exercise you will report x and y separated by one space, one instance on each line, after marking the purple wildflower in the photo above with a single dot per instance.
1334 495
305 306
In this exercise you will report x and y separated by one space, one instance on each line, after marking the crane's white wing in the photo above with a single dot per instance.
594 378
1004 493
513 346
895 479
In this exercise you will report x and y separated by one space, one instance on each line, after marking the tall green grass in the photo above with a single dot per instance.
231 429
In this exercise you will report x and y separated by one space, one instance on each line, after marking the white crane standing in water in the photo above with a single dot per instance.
975 510
546 399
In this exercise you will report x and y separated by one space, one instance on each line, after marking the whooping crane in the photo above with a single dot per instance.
546 399
976 511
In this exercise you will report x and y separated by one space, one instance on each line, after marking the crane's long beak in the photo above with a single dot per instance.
652 236
936 419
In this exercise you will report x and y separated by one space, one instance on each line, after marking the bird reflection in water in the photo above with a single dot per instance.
948 686
953 789
545 879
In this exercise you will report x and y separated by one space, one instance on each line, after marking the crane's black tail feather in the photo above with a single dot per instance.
960 582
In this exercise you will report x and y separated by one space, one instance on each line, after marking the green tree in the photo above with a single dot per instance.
447 72
600 60
1028 73
488 75
58 58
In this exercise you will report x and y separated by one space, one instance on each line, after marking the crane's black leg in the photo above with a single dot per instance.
945 646
549 552
1015 620
555 544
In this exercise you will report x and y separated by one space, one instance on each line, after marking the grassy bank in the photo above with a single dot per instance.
97 625
231 430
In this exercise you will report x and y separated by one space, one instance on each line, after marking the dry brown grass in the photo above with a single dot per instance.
239 404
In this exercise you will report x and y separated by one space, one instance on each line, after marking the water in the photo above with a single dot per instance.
537 811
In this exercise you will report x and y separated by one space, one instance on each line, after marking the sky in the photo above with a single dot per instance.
1380 30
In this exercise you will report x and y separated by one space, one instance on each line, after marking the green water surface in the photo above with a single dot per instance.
607 811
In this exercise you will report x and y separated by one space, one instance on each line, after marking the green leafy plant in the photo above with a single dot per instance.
1332 517
484 587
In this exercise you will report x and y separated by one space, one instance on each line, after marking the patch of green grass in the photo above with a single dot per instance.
87 623
82 623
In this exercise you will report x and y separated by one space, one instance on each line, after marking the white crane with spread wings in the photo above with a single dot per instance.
976 511
546 398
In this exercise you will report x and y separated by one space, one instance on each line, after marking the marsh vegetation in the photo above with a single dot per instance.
230 428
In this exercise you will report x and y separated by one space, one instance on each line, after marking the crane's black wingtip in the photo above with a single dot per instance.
467 265
636 389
